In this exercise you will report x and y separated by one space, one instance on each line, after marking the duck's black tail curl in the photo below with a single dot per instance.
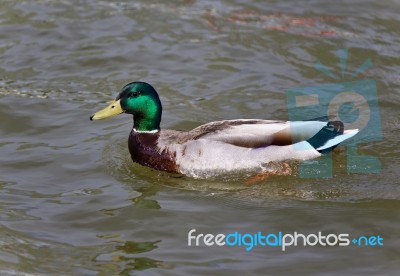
328 132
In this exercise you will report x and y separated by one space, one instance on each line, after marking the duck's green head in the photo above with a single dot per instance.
139 99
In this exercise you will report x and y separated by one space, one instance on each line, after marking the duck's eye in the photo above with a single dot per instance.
134 94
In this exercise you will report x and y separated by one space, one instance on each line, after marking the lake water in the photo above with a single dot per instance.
73 203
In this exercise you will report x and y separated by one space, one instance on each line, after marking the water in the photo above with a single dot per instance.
72 202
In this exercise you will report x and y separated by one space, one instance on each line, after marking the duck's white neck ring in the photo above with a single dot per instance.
146 131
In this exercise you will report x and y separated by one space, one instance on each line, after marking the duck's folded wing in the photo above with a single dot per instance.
259 133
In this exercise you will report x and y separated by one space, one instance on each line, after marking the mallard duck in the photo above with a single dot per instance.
220 146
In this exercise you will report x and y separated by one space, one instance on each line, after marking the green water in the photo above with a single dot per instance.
73 203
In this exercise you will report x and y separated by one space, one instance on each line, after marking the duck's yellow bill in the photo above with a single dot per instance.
110 111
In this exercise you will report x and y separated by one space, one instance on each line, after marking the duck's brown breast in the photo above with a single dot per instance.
144 149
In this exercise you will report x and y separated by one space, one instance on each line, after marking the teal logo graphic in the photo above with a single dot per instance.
350 99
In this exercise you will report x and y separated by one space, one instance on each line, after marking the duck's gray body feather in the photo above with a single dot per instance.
233 145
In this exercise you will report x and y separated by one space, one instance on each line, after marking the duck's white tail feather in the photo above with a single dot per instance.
338 139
